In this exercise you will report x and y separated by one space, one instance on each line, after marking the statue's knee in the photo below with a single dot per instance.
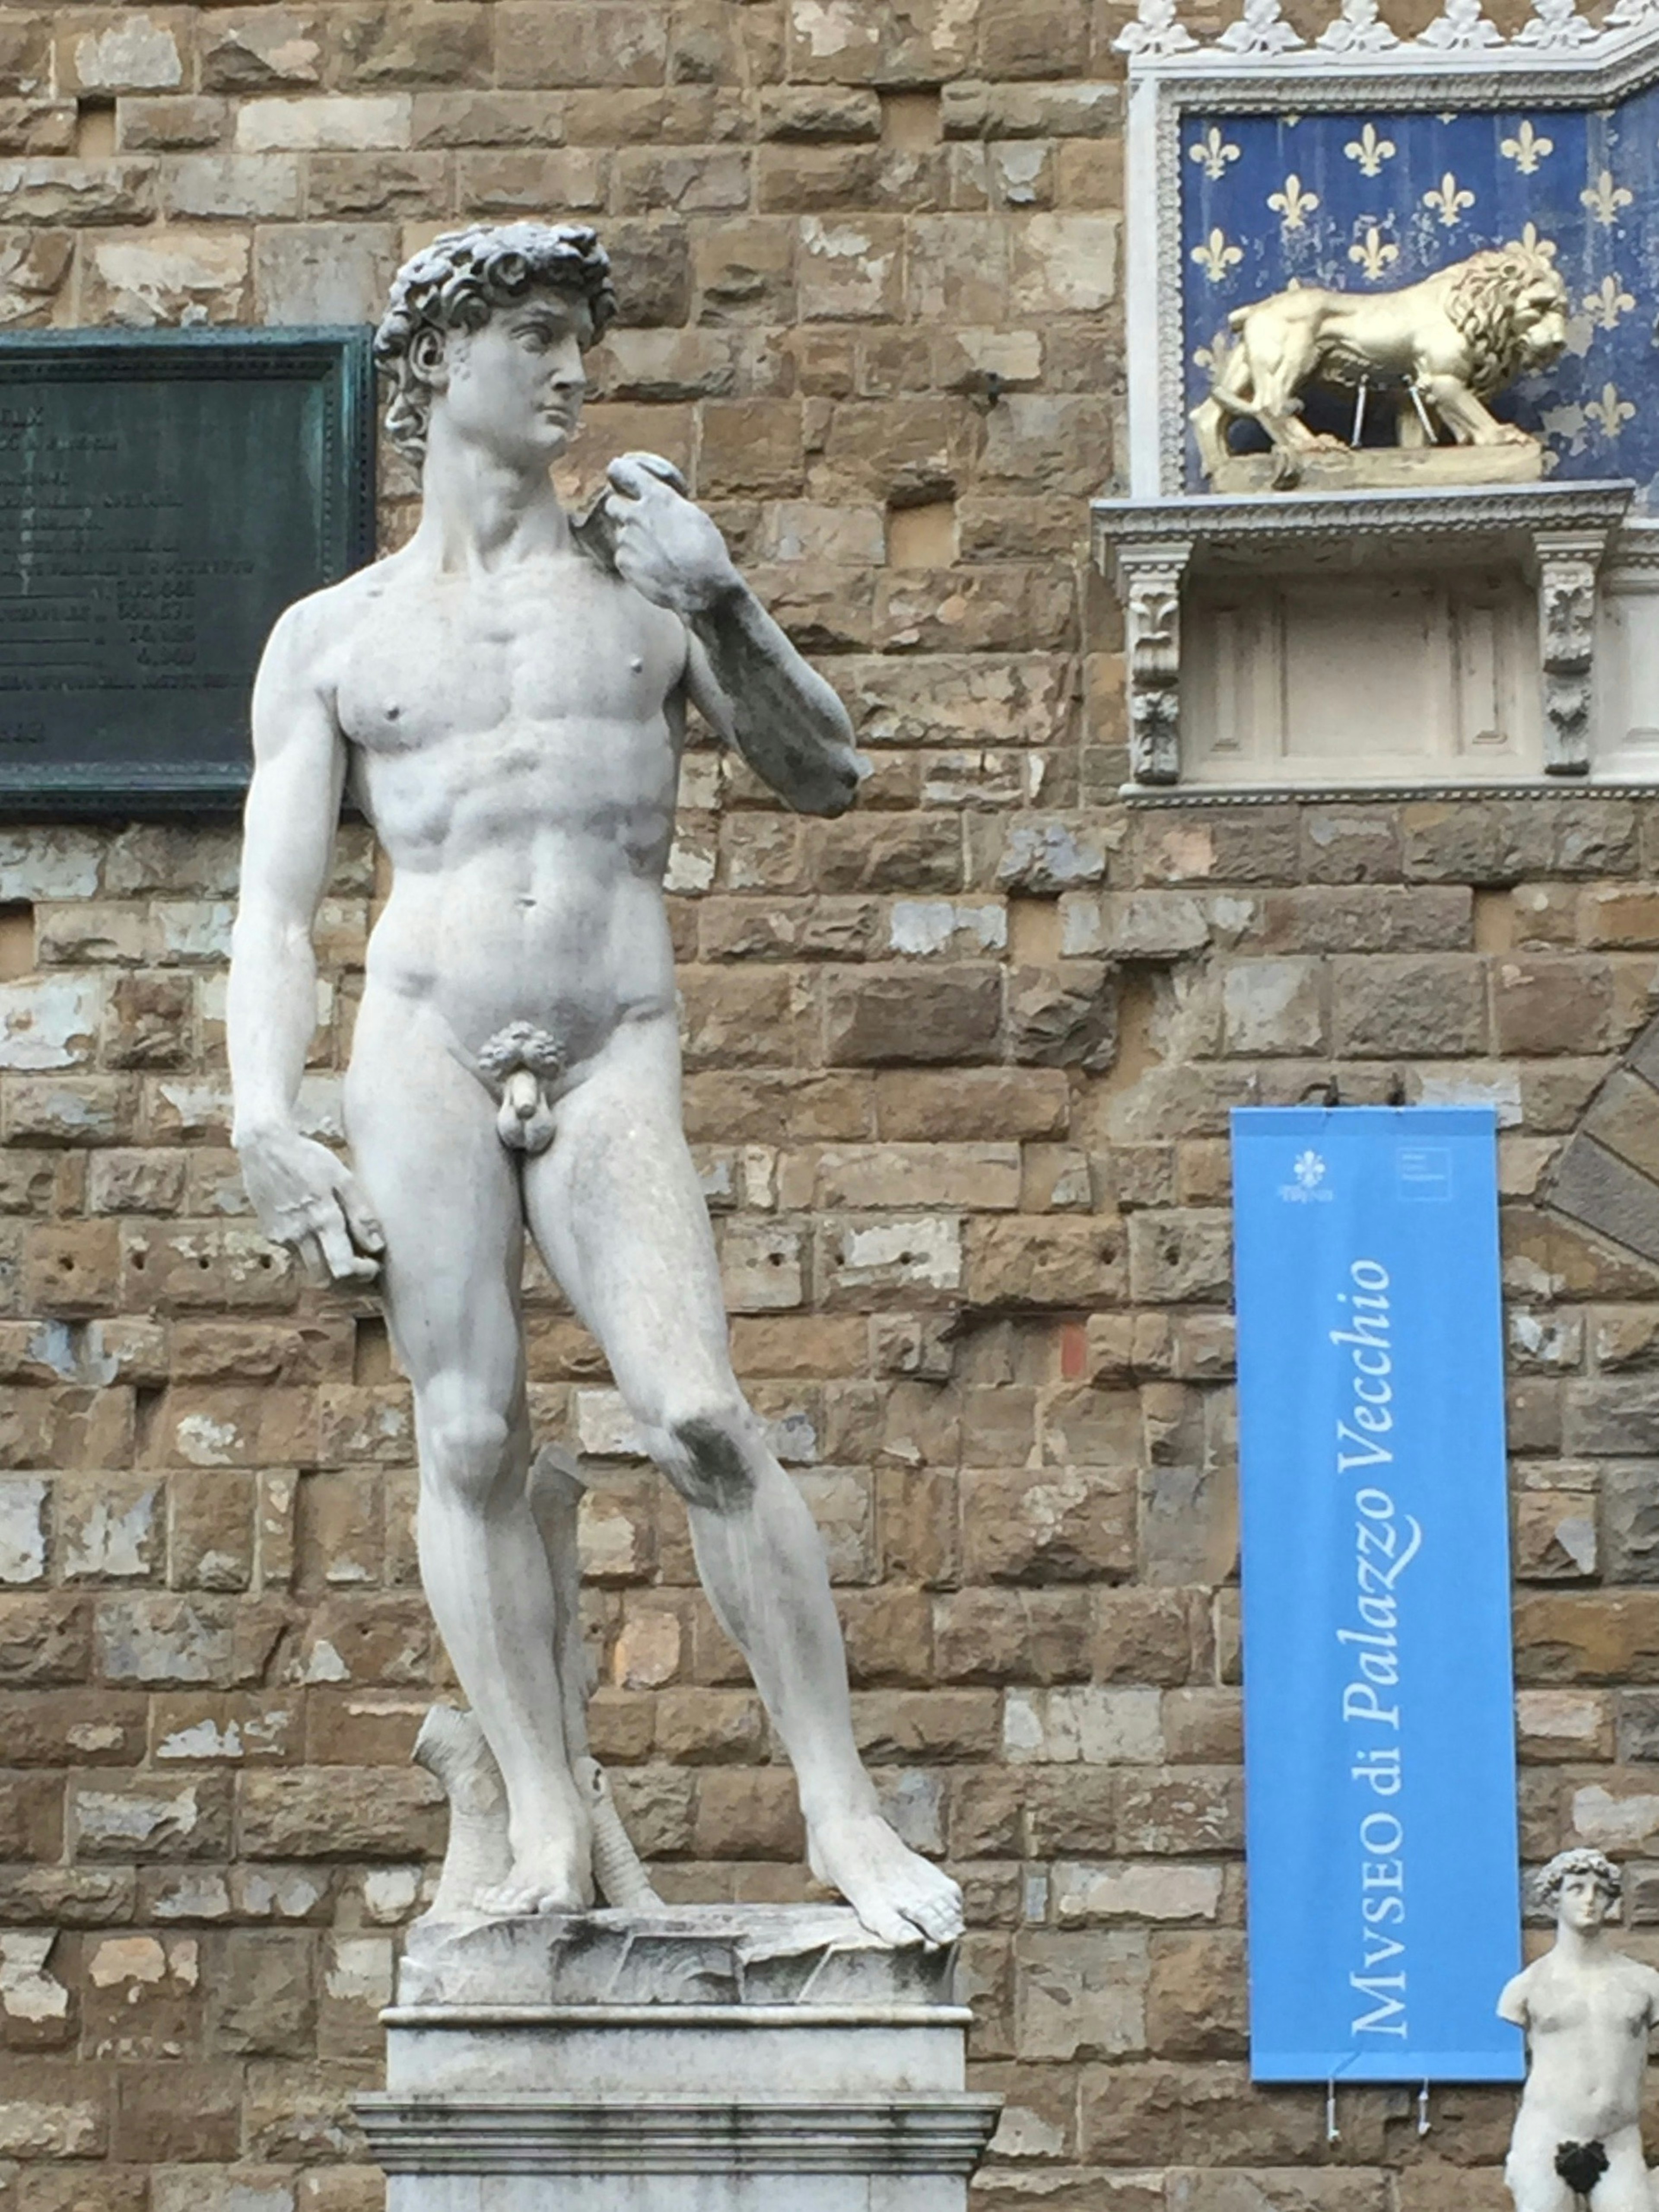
467 1446
711 1460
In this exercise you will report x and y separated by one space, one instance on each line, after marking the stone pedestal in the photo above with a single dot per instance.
682 2059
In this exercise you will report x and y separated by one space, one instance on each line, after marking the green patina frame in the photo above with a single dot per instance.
208 771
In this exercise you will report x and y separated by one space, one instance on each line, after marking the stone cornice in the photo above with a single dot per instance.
1269 525
937 2135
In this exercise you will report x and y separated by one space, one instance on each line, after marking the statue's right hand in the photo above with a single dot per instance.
310 1201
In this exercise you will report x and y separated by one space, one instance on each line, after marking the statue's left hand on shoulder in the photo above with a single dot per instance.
742 674
662 545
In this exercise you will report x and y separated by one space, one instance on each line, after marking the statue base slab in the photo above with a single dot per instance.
1386 468
704 2058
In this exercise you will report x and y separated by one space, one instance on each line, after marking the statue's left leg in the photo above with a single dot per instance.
1624 2186
616 1208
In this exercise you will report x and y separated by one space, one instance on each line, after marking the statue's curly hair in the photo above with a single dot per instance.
1484 305
1581 1861
463 278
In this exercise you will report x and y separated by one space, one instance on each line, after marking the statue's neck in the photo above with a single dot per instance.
1580 1947
480 511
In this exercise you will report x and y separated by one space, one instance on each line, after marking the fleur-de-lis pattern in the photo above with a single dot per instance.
1530 242
1370 150
1215 256
1375 254
1292 204
1527 148
1607 303
1609 412
1449 201
1214 150
1368 199
1604 199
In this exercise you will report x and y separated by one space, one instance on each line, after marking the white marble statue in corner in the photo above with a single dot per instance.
507 693
1586 2010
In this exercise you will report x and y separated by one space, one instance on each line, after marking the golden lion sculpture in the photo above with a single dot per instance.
1438 348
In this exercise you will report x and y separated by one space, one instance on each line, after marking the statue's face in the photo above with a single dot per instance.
1541 321
516 386
1583 1904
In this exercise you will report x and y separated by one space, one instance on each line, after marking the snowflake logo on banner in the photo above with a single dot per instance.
1308 1168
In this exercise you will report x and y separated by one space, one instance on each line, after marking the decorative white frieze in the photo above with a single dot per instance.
1359 29
1155 31
1462 29
1556 28
1261 29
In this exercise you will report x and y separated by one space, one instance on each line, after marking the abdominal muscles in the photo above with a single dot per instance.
516 902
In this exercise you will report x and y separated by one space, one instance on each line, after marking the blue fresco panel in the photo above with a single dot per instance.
1370 200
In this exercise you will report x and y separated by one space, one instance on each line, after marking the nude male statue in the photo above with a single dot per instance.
508 692
1587 2011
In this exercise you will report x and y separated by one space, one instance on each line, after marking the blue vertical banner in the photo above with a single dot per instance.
1379 1707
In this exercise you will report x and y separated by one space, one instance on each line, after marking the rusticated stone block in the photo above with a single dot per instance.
1182 1810
416 45
71 1727
1545 1004
1197 1996
73 1267
1013 1635
150 1817
1065 1016
1404 1007
1042 1260
748 1813
261 1994
54 191
582 45
178 2109
55 2108
31 1816
340 1812
45 1639
1060 1524
1587 1636
1163 2114
1079 1996
880 1017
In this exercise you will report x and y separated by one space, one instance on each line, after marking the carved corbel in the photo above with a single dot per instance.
1149 578
1567 564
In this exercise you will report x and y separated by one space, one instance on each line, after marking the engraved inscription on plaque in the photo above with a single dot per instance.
162 497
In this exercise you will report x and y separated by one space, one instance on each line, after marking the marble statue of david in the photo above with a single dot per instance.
1586 2009
508 696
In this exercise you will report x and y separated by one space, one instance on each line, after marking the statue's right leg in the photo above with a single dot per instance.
423 1141
1529 2170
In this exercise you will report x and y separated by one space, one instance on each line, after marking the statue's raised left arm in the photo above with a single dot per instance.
744 674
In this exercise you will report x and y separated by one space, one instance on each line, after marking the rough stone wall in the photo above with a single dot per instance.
957 1071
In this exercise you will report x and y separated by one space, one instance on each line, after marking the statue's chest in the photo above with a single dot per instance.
1598 2005
444 659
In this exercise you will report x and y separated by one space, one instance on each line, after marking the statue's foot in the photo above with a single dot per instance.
899 1896
555 1875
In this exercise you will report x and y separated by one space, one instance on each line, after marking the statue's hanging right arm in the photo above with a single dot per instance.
304 1196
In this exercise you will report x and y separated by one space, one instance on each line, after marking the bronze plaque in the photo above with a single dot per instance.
163 497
